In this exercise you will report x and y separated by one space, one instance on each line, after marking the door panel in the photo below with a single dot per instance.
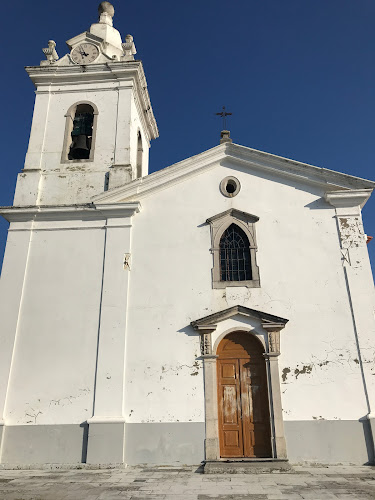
255 412
230 425
230 404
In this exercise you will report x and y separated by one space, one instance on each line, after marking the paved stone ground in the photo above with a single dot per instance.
314 483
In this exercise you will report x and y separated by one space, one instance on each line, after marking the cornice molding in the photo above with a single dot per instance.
252 158
120 71
85 36
70 212
303 172
233 212
213 319
348 198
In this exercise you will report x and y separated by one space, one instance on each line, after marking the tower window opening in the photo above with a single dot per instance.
82 133
139 155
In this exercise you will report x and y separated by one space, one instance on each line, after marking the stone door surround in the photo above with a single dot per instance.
272 326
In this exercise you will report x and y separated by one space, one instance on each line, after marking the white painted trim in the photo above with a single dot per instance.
69 212
248 157
348 198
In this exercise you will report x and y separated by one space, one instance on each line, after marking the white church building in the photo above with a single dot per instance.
218 310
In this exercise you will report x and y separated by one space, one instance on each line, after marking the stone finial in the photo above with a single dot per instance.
129 49
106 13
225 136
50 52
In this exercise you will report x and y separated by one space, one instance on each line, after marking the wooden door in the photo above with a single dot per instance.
231 435
244 426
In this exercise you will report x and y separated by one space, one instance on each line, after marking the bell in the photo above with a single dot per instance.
79 149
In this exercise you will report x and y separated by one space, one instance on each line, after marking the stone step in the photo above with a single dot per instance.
251 466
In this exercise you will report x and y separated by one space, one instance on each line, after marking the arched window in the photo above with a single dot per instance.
80 129
235 262
234 247
139 155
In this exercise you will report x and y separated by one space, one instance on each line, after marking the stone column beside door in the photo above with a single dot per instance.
212 450
272 359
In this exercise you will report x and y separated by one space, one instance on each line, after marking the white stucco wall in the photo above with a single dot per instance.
301 277
53 367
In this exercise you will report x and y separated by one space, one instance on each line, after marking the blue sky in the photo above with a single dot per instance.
298 76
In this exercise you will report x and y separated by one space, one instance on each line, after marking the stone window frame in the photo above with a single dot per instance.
219 223
223 185
69 119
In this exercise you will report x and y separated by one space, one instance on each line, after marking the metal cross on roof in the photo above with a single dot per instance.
224 115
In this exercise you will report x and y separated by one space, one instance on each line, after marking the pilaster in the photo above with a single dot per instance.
359 283
210 387
274 389
212 450
11 292
38 130
107 425
121 170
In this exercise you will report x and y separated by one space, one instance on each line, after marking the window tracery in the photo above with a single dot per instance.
235 263
234 247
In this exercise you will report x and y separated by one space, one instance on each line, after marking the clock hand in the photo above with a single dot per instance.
82 52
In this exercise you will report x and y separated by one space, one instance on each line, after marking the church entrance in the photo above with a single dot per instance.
244 421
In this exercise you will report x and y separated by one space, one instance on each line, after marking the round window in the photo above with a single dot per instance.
230 186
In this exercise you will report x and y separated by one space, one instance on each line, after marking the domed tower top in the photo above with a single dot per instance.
106 13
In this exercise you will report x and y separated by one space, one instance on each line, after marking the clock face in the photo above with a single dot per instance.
84 53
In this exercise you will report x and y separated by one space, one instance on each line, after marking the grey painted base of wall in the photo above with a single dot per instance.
106 443
175 443
35 444
178 443
329 441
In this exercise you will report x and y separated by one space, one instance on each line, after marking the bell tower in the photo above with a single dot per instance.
92 122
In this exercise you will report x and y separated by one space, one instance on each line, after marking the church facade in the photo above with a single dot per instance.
219 309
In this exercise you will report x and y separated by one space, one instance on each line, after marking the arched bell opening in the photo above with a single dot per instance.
80 132
243 402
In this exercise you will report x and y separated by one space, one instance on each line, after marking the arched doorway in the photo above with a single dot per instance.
243 407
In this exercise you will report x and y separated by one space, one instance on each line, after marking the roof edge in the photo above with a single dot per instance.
329 179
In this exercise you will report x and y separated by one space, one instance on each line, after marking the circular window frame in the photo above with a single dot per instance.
232 181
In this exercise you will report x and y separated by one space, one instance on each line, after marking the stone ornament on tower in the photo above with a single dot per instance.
106 13
129 49
50 53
